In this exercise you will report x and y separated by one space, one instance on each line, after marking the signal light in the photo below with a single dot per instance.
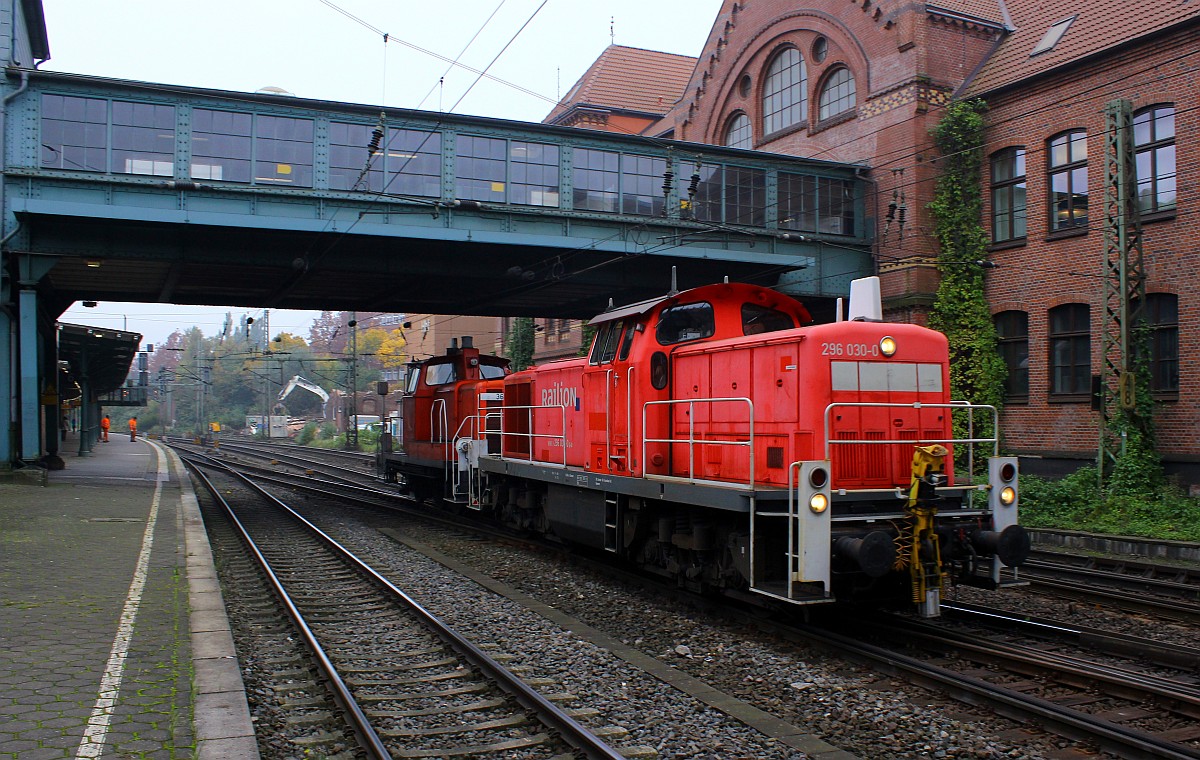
1008 471
818 477
818 503
1008 495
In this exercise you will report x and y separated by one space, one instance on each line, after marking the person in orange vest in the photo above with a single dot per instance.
104 425
133 428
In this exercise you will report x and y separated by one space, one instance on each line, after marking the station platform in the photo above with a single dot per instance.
114 637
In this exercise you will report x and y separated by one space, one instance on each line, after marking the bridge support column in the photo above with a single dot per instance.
89 411
30 395
8 422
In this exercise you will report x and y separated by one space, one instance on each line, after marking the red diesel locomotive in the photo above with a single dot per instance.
712 437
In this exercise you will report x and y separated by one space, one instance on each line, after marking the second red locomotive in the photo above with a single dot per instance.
711 436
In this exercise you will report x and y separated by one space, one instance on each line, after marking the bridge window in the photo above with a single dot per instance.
816 204
413 163
221 143
480 168
74 133
609 181
283 151
236 147
533 171
706 203
745 196
641 185
143 139
350 167
730 194
597 177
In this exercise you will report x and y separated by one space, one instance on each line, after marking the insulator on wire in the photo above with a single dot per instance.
376 136
668 179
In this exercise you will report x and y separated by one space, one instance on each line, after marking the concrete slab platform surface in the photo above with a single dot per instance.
101 570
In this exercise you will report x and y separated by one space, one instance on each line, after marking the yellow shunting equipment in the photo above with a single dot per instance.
925 558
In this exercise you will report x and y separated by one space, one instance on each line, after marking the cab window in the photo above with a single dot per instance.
490 371
690 321
605 347
760 319
440 374
630 331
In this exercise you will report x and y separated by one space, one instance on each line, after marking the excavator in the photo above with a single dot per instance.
308 385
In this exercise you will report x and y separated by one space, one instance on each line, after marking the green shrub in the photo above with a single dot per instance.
307 434
1076 503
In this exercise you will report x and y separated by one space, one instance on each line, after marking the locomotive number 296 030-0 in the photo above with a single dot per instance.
849 349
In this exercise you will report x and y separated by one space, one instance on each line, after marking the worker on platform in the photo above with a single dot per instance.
104 425
133 428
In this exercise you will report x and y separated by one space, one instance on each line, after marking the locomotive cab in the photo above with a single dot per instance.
441 406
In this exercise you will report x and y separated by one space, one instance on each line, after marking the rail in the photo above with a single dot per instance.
532 436
953 406
692 442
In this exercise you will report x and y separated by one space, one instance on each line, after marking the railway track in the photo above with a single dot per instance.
408 685
1117 707
1115 696
1167 591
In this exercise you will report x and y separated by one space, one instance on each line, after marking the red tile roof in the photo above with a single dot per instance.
630 79
1099 25
987 10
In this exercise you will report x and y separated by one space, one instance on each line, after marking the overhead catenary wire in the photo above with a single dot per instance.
1033 153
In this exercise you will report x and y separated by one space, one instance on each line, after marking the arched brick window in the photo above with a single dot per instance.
1154 142
785 91
1012 330
738 132
1070 352
1008 195
1068 181
1160 316
837 94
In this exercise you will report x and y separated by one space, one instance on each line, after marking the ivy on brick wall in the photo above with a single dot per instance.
1138 468
960 309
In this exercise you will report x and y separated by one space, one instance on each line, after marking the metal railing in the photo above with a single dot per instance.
953 406
692 442
531 436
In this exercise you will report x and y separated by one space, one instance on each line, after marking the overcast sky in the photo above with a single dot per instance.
335 50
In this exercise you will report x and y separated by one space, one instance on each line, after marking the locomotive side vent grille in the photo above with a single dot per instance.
860 463
775 457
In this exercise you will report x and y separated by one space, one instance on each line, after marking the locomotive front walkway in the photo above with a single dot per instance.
113 638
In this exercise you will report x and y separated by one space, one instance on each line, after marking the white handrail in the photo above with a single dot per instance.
532 436
994 440
691 439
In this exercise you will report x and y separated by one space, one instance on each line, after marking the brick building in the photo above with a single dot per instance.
865 81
